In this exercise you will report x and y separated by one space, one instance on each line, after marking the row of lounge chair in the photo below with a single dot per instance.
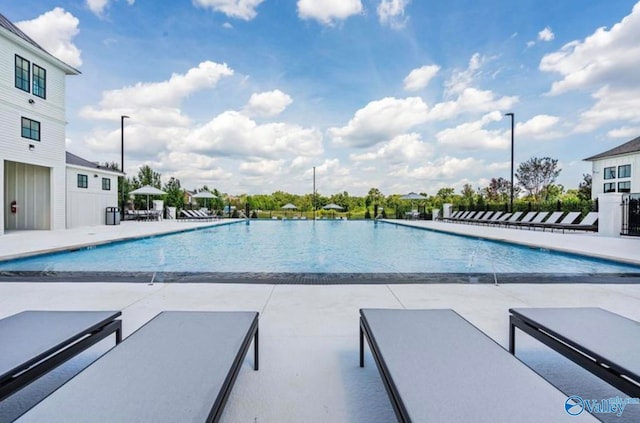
192 215
531 220
435 365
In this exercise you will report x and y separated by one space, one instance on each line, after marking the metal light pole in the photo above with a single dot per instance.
511 200
122 118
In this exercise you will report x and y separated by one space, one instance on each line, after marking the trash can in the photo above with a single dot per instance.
112 216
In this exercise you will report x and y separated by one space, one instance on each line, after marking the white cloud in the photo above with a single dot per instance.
391 12
471 100
381 120
55 31
546 35
624 132
460 80
268 104
540 126
232 134
531 44
404 148
419 78
145 97
473 136
611 105
240 9
98 6
262 167
605 57
328 11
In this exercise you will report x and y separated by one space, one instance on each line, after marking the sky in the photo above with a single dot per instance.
248 96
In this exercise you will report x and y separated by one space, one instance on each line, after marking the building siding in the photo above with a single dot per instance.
599 165
87 206
49 152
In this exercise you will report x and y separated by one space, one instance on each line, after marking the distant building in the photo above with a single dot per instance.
91 188
32 133
617 170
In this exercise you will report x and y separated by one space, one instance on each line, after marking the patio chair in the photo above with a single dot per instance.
588 223
453 216
511 220
35 342
438 367
491 219
612 355
555 216
567 220
178 367
539 217
525 219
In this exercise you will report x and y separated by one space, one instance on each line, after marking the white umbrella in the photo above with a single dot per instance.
332 206
289 206
413 196
204 194
147 190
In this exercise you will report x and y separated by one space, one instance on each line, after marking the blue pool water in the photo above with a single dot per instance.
315 247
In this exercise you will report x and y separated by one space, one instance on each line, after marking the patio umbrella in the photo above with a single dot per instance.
332 207
413 196
289 206
147 190
204 194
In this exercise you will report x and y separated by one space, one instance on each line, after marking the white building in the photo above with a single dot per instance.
616 170
90 190
32 133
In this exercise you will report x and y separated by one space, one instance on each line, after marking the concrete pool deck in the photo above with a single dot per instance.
309 334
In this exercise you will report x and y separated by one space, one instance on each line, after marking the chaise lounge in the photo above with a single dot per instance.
179 367
436 366
35 342
604 343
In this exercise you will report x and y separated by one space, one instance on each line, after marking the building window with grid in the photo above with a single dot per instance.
624 171
30 129
23 77
39 81
610 172
83 181
624 186
106 184
610 187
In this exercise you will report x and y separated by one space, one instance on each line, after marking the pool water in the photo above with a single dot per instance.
330 246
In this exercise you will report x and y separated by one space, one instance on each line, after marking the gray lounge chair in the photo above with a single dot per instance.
526 219
437 367
611 355
539 217
178 367
512 219
588 223
35 342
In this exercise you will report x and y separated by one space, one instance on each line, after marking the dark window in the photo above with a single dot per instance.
609 172
30 129
22 73
83 181
624 171
39 81
610 187
106 184
624 186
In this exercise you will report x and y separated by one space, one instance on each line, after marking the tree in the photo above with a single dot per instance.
146 176
536 174
175 194
445 193
584 189
499 190
374 197
468 193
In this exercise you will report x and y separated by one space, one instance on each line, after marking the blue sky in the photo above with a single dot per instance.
404 95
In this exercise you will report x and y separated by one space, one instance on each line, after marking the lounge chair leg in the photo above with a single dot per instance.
512 336
255 351
361 348
119 333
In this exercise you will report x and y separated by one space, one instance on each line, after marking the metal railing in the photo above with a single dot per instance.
631 215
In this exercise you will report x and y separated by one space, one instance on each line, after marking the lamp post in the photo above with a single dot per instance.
122 118
511 199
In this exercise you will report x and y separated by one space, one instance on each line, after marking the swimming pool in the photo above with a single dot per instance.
316 247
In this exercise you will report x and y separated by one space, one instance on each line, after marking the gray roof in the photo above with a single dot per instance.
632 146
9 26
72 159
